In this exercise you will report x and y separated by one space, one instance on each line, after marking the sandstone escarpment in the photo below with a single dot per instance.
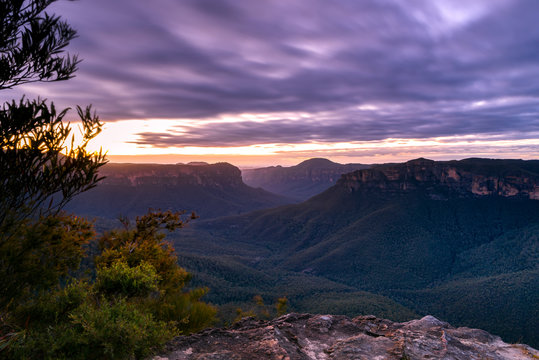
317 337
200 174
209 190
470 177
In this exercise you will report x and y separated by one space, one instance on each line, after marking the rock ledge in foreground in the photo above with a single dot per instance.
305 336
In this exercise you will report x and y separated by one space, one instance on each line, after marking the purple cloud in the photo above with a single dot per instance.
423 63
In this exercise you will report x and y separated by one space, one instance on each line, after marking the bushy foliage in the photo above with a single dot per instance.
145 241
185 309
118 330
135 304
77 322
39 254
137 300
121 280
144 244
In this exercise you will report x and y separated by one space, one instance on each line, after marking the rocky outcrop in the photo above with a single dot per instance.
470 177
304 336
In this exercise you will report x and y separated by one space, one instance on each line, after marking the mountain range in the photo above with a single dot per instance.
457 239
208 190
301 181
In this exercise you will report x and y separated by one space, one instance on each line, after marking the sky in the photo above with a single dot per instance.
269 82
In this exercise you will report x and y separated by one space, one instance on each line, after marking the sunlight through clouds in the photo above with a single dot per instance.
279 79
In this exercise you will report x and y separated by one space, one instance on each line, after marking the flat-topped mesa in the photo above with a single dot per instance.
469 177
214 175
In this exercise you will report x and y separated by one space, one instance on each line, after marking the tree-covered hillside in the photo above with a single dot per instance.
470 258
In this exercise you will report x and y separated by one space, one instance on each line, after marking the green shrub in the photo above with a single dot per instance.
120 279
39 253
136 303
52 307
140 248
281 305
119 330
186 309
95 330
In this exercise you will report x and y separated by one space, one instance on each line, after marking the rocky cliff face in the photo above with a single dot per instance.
209 190
216 175
317 337
470 177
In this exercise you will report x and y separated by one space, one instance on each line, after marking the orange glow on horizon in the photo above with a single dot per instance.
118 140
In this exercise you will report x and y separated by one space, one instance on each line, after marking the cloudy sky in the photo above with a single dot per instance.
275 82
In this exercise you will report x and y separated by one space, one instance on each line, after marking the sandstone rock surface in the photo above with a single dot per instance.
305 336
469 177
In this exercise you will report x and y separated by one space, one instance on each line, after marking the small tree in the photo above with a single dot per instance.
37 155
145 245
138 300
41 166
42 169
281 305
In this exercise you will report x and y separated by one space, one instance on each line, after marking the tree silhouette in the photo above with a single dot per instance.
42 169
41 166
138 300
32 44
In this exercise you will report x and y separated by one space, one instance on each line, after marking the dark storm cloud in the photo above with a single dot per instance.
422 63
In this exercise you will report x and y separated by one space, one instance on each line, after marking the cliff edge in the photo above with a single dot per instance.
317 337
469 177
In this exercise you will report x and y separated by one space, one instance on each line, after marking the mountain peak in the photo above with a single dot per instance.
420 161
301 181
316 162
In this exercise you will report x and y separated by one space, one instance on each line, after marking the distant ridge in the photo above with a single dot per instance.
301 181
455 239
317 163
468 177
209 190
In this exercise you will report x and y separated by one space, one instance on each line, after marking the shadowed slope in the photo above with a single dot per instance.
209 190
